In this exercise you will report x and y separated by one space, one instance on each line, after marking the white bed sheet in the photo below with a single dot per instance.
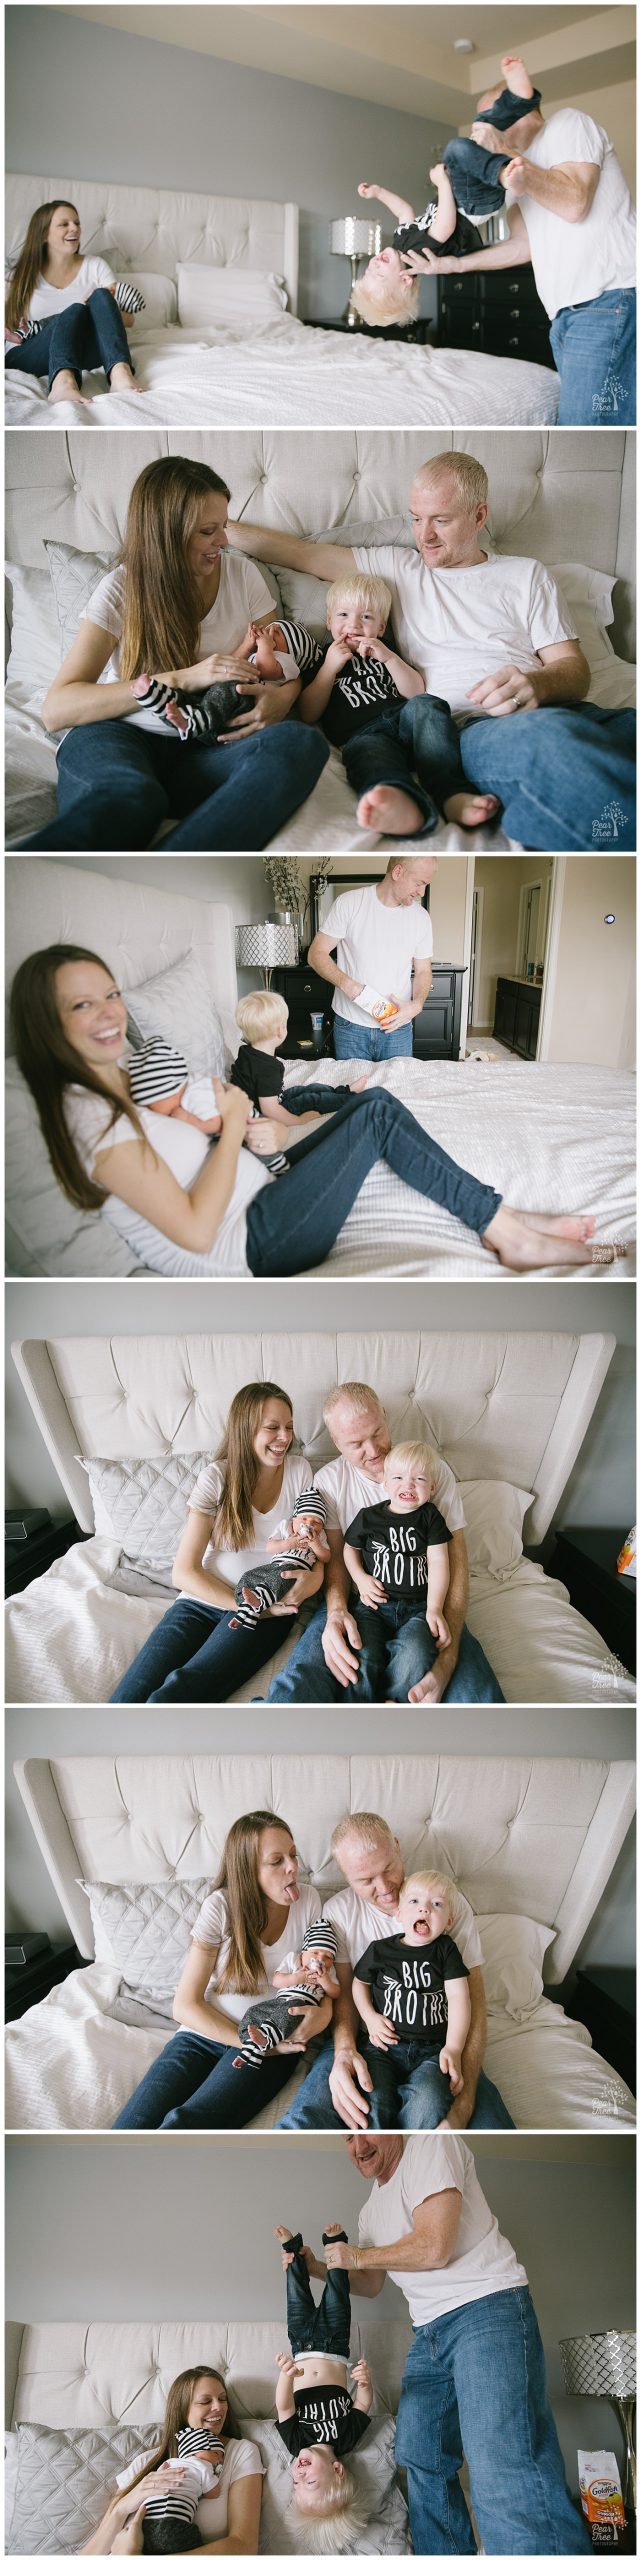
72 2064
289 374
73 1632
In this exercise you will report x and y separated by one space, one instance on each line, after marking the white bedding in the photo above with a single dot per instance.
290 375
71 2063
73 1632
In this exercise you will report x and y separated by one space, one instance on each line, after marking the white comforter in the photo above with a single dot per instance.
72 2063
73 1632
289 375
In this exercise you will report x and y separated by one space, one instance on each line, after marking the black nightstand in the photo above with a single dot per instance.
25 1559
585 1559
26 1984
603 1998
436 1030
304 995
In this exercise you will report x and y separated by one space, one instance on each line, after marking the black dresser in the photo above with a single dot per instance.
499 313
517 1007
437 1030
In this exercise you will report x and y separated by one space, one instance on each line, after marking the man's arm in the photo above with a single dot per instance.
562 676
350 2081
462 2108
319 957
289 550
436 1680
513 252
430 2243
421 983
568 190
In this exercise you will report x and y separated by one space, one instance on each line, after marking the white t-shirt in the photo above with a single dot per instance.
458 625
577 261
241 2459
184 1149
376 943
243 597
347 1490
482 2260
357 1923
211 1931
48 299
232 1562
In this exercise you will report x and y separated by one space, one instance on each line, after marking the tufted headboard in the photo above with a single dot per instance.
566 497
534 1836
141 931
513 1406
74 2374
156 228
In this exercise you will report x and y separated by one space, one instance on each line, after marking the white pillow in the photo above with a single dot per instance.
227 297
161 300
34 651
513 1953
143 1502
146 1929
179 1004
74 576
494 1515
583 586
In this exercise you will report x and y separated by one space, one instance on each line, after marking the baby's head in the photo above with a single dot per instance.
263 1019
157 1076
319 1949
409 1475
426 1906
358 608
387 293
309 1520
264 646
321 2486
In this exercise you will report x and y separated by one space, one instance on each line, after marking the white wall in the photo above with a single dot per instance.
593 1011
613 107
98 2230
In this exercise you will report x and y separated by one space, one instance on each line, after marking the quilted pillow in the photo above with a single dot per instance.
64 2479
74 576
374 2471
143 1502
514 1949
179 1004
146 1931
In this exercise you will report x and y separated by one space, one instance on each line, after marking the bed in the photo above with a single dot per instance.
565 499
531 1843
83 2400
175 958
509 1412
262 362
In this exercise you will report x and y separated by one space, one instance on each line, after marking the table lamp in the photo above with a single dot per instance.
603 2366
266 947
354 238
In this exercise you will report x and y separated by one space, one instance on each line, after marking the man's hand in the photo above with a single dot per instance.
422 262
487 136
370 1591
450 2062
438 1627
428 1690
404 1013
267 709
514 178
342 1644
350 2083
459 2114
339 2253
381 2032
509 689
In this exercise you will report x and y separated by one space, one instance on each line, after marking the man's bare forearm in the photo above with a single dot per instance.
558 191
345 2024
567 681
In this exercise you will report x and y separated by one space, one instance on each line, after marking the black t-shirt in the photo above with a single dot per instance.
407 1985
394 1549
363 690
461 242
257 1075
325 2414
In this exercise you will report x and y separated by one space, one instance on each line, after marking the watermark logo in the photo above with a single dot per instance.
607 402
610 1673
611 2099
609 828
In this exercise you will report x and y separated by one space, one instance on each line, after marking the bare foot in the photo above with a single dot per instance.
515 75
281 2233
521 1246
578 1228
122 379
393 813
470 809
360 1086
65 387
331 2229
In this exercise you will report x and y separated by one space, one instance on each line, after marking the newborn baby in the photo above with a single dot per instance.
277 654
307 1979
159 1080
168 2515
300 1543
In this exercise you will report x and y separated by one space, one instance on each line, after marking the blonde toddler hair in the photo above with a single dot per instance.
412 1453
433 1876
334 2522
260 1015
379 312
371 593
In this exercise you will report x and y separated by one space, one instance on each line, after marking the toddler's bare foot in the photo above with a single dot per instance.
515 75
331 2229
392 813
578 1229
281 2233
122 378
360 1086
470 809
65 387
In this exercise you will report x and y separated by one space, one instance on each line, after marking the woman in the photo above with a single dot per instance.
72 298
239 1502
176 607
254 1917
230 2522
192 1209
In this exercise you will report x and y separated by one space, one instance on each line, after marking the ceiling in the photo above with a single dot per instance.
401 57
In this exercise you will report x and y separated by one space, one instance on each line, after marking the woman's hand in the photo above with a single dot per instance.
300 1588
264 1137
130 2535
234 1106
216 670
268 708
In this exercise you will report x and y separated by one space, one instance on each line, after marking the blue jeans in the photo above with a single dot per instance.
473 172
305 1680
414 748
475 2384
78 340
193 2086
594 349
398 1649
311 2111
321 1187
323 2326
354 1040
411 2090
560 774
117 784
195 1656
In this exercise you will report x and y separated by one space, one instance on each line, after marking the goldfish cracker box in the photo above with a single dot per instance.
601 2499
381 1008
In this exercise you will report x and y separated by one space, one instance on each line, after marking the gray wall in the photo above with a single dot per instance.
84 2219
497 1733
601 1487
97 102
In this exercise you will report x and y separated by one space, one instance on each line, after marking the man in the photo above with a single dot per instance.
338 2089
456 611
571 215
474 2385
333 1653
374 926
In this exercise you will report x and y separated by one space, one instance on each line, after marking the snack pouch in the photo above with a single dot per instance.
380 1007
627 1556
601 2498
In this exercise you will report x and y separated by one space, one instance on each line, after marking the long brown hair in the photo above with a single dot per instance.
234 1523
31 260
163 606
176 2415
49 1064
244 1969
